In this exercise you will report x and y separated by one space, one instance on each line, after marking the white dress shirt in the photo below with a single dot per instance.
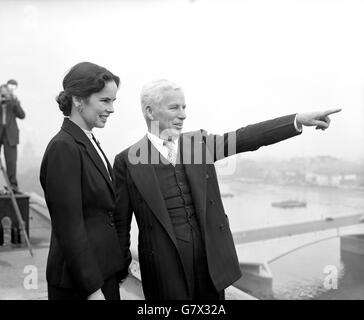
298 128
159 144
89 135
3 110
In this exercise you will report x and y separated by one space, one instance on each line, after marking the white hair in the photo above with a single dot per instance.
153 92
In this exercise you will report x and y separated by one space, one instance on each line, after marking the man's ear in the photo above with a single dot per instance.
149 112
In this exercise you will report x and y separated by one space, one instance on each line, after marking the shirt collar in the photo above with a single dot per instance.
155 140
88 133
158 141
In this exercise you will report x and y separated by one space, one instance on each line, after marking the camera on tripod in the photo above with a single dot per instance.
5 94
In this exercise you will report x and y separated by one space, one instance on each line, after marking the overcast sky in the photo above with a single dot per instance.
239 62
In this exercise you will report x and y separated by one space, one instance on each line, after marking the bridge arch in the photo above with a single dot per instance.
271 250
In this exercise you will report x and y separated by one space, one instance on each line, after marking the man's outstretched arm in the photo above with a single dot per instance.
254 136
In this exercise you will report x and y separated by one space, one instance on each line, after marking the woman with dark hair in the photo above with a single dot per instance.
85 260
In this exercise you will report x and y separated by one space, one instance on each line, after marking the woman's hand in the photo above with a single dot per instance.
97 295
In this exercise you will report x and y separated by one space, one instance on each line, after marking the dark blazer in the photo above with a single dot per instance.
138 191
13 111
84 248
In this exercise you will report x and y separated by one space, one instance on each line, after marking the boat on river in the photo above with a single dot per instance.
289 204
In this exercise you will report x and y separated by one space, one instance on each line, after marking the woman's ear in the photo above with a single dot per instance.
78 103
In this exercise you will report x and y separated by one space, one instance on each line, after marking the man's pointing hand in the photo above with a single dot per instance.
319 119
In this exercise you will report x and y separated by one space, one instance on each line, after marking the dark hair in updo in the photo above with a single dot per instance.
82 81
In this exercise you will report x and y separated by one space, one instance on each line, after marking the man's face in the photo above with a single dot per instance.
170 113
12 87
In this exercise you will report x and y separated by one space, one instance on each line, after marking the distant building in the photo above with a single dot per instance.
331 172
324 180
325 171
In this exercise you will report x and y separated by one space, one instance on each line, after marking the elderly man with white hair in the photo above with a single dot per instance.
168 180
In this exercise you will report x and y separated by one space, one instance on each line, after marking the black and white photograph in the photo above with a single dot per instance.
183 150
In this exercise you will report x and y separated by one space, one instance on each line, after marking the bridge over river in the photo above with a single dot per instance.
256 249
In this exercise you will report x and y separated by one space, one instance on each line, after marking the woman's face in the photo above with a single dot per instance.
97 108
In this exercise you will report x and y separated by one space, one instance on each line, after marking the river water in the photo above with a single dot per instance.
301 274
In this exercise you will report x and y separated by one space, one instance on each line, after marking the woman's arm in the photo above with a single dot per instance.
123 212
61 172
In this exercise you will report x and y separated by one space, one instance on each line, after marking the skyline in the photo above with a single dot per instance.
28 159
238 63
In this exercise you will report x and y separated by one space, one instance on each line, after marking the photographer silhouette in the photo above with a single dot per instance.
9 131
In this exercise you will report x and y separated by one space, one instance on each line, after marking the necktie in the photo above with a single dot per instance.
3 110
102 155
96 141
172 154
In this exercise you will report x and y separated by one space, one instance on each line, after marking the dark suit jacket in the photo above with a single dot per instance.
13 111
84 248
138 191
